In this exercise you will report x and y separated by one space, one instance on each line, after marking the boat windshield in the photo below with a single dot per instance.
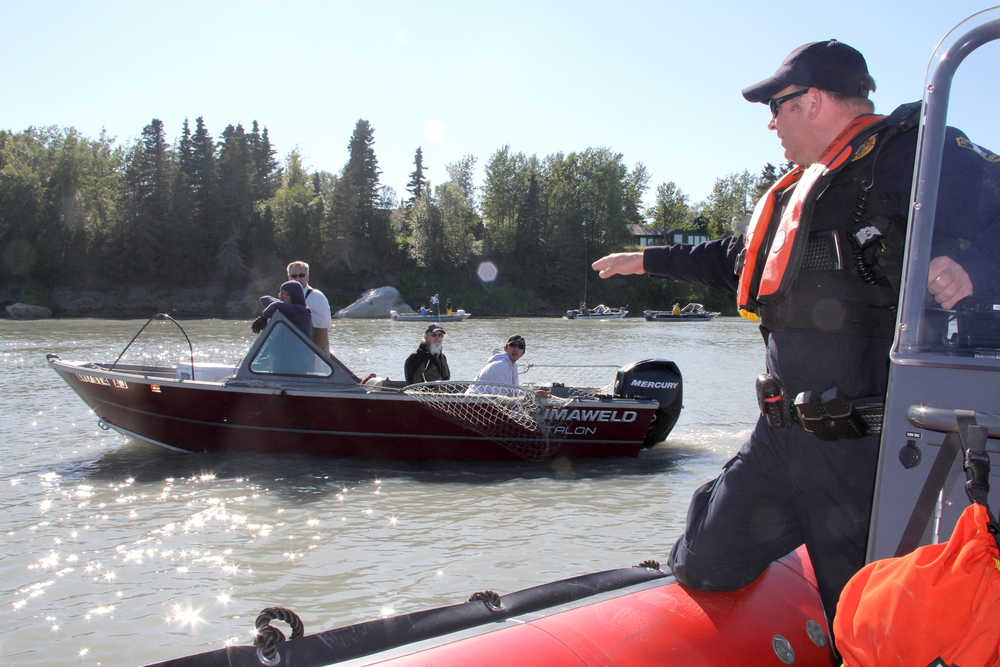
954 245
284 353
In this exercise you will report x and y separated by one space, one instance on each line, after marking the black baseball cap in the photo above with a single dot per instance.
829 65
434 327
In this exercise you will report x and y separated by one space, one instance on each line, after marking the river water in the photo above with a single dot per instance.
120 553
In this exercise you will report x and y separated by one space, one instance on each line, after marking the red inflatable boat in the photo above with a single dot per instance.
632 616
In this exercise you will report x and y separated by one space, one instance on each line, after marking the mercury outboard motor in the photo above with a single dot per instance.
659 379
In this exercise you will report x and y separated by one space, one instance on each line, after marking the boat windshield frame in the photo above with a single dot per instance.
919 337
323 369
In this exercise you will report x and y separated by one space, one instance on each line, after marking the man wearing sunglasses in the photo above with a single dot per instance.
499 375
316 302
819 269
428 363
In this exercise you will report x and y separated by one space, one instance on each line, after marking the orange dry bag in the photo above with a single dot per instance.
938 605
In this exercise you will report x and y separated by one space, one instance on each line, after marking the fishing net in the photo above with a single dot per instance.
510 416
568 381
513 417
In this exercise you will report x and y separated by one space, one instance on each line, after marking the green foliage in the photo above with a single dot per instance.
506 184
730 204
144 227
73 210
266 172
529 242
671 210
418 182
461 174
427 242
357 232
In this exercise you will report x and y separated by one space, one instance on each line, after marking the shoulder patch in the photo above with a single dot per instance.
865 148
963 142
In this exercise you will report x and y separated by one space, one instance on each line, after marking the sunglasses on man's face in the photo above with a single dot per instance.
775 102
296 275
437 334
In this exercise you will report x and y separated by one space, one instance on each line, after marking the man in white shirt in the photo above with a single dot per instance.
316 302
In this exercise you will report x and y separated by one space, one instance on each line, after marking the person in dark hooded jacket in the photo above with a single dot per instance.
428 363
291 301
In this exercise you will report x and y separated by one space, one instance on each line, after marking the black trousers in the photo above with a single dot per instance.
784 488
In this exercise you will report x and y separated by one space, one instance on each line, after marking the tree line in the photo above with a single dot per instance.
205 209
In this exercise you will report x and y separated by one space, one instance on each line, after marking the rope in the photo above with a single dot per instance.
268 637
490 598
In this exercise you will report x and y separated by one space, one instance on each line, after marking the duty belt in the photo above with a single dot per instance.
828 415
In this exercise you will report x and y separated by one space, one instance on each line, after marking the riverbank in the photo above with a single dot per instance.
124 300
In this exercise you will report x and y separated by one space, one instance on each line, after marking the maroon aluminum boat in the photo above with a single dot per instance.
288 396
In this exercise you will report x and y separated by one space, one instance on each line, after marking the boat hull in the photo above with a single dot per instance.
216 417
667 317
576 315
457 316
693 312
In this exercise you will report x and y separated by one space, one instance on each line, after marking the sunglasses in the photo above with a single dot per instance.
775 102
297 275
437 334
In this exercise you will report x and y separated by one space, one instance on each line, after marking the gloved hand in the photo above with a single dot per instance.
258 324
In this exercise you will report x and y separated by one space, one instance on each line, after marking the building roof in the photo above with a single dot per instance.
642 230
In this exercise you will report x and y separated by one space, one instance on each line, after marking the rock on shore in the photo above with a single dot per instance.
27 311
375 303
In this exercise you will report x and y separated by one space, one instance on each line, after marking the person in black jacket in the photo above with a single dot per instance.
428 363
819 271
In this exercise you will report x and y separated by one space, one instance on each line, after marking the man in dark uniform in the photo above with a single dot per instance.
819 270
428 363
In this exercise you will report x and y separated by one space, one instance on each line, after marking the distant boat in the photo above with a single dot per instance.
432 314
600 312
693 312
456 316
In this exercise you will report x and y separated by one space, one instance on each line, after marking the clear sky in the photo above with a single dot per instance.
658 82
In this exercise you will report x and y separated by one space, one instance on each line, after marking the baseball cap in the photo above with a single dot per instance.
829 65
434 327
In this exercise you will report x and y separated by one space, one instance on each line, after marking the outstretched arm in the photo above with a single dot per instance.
619 263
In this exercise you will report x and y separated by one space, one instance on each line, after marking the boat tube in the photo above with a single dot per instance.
630 616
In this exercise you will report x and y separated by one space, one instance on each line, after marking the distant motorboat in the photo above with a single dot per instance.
600 312
456 316
693 312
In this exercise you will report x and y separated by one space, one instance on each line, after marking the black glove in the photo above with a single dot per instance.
258 324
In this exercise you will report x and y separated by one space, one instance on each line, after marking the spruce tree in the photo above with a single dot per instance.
529 237
201 177
356 230
266 178
180 253
235 204
147 197
417 183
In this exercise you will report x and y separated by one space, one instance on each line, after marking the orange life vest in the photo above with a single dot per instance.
769 271
936 605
